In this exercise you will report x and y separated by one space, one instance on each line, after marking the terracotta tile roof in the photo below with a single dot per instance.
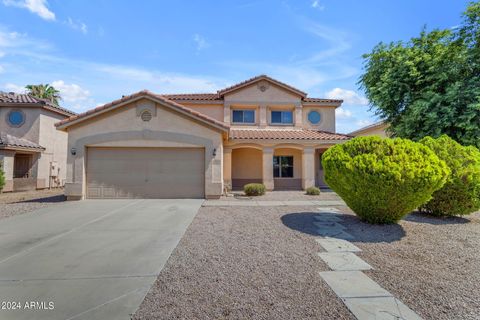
144 93
7 140
258 78
26 99
285 134
322 100
193 96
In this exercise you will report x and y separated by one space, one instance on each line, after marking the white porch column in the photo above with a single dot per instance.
267 172
308 167
227 168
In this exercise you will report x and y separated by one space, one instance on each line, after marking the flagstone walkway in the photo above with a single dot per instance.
363 296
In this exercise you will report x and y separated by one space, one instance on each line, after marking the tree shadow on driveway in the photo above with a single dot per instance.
361 231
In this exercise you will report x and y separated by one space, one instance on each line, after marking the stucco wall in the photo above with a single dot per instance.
327 118
253 93
246 163
214 111
123 126
6 164
55 144
30 130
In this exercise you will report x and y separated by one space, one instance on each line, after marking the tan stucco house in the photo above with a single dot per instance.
149 145
375 129
33 154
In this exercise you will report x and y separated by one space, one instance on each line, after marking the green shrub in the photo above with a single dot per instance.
254 189
461 193
382 180
312 191
2 179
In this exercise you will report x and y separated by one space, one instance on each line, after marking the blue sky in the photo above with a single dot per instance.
97 51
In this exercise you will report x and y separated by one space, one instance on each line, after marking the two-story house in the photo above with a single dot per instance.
148 145
33 154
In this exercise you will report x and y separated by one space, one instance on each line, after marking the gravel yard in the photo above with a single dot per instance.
243 263
430 264
261 263
13 203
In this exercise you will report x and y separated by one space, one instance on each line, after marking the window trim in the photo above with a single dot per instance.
281 118
279 166
243 117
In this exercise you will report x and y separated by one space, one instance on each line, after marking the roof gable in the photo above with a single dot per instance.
137 96
258 79
23 99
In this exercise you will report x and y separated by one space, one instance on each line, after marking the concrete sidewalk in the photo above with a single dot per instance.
270 203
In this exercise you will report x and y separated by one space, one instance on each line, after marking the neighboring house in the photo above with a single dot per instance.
376 129
33 154
149 145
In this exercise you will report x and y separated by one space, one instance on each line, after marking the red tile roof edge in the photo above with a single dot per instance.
258 78
286 134
143 93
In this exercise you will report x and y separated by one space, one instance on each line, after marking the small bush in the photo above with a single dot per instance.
461 193
2 179
382 180
312 191
254 189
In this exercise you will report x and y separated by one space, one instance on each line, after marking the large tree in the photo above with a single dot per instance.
430 85
44 91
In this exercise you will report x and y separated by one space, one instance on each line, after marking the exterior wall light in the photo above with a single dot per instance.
214 153
73 151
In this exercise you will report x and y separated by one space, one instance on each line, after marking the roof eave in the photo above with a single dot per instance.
141 95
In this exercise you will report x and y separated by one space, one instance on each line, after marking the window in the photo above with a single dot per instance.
16 118
244 116
282 117
283 166
314 117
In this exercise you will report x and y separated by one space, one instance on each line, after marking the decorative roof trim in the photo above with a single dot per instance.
134 97
256 79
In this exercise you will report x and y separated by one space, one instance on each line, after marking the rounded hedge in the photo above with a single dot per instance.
254 189
382 180
312 191
461 193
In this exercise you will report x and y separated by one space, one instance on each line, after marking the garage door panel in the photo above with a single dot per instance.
145 173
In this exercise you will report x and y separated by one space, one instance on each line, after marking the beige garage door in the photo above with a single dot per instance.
145 173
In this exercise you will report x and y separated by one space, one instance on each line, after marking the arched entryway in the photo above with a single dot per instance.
246 167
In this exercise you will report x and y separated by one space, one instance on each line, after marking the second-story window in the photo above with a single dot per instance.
243 116
282 117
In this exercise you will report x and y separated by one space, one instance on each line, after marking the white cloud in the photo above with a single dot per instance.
11 87
317 5
200 42
71 93
38 7
341 113
77 25
349 97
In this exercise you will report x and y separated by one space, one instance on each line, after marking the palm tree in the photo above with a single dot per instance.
44 91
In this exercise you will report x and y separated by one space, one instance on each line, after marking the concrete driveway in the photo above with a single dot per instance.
92 259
